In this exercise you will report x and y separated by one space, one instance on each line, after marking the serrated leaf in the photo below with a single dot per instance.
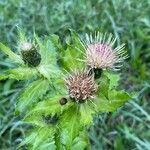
86 114
50 106
3 76
47 51
73 56
48 146
55 40
45 136
21 36
21 73
32 94
71 59
60 146
70 126
107 82
49 71
60 86
115 100
113 79
35 119
16 58
103 85
80 142
78 43
40 139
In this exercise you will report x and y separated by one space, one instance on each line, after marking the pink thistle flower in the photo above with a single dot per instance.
100 53
81 86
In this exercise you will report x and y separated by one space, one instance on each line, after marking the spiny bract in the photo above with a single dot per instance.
81 86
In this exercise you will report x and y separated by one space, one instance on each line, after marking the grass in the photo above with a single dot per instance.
128 20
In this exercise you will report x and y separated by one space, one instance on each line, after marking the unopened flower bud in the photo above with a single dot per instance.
30 55
63 101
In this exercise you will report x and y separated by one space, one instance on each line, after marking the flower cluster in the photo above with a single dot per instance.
99 55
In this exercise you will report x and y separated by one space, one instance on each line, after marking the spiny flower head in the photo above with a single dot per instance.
100 53
30 55
81 86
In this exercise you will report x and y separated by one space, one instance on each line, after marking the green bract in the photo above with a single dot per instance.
55 125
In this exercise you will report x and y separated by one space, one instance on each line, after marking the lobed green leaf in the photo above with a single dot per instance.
81 141
16 58
50 106
21 36
73 56
3 76
78 43
47 51
21 73
40 139
70 126
113 79
86 114
32 94
49 71
115 100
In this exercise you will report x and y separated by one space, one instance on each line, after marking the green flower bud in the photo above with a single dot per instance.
30 55
63 101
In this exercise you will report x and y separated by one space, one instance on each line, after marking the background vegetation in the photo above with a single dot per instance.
128 20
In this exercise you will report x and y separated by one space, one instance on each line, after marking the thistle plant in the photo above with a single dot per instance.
61 99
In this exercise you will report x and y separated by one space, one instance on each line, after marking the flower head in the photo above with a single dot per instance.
30 55
100 53
81 86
